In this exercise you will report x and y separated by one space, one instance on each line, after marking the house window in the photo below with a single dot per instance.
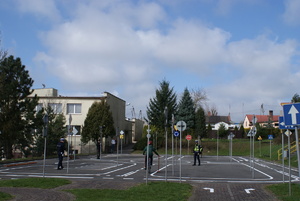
73 108
39 107
56 107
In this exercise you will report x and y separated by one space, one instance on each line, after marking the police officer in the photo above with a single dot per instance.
197 151
60 152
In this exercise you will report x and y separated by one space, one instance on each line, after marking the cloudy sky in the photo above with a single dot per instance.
242 53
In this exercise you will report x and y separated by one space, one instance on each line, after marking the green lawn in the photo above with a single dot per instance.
34 182
282 191
153 191
146 192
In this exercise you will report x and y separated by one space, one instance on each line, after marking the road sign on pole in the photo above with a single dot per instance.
188 137
181 125
176 133
291 114
292 118
282 124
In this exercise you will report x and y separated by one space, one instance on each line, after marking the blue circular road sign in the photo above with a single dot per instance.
176 133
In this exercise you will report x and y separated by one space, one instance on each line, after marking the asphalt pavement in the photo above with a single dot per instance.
218 178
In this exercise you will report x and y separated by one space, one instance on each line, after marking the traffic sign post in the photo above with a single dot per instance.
282 124
45 132
176 133
188 138
252 134
121 137
181 125
292 118
230 137
288 133
74 131
69 128
270 137
147 166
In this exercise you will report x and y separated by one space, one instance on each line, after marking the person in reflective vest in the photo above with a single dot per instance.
197 151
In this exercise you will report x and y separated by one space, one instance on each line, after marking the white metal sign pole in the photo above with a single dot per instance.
181 125
147 156
172 129
166 130
69 128
218 144
289 145
297 145
282 156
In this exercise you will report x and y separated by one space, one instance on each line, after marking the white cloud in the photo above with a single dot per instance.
119 47
41 9
263 76
291 14
191 45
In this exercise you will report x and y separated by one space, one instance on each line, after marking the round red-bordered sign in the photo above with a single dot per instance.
188 137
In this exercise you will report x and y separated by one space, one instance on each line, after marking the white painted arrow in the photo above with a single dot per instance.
293 111
249 189
211 190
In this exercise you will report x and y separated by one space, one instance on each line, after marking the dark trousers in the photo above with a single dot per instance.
197 157
60 159
150 160
98 153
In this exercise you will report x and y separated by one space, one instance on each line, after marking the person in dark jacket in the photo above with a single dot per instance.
60 152
150 152
197 151
98 149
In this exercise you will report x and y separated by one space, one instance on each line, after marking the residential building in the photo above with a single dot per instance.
75 110
262 120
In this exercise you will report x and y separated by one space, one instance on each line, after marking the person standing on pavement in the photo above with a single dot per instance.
98 149
197 151
60 152
150 153
113 143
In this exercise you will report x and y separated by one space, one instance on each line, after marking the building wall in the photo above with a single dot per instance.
117 107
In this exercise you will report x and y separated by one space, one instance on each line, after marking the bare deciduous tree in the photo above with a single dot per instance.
3 53
199 97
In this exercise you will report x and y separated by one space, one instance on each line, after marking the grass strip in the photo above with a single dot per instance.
44 183
5 196
152 191
282 191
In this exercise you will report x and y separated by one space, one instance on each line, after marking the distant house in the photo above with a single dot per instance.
263 120
216 121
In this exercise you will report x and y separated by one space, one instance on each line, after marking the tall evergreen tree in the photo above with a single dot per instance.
165 98
17 110
186 110
98 115
200 124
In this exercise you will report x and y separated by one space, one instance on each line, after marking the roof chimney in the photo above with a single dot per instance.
271 115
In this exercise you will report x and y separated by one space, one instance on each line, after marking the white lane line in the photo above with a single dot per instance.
108 178
120 169
270 177
48 176
130 173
